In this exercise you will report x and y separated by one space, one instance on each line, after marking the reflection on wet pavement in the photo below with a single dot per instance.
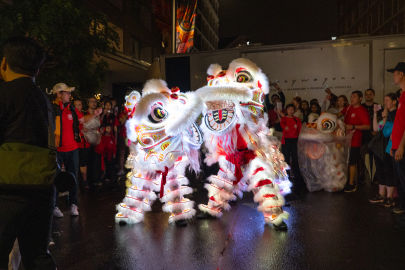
326 231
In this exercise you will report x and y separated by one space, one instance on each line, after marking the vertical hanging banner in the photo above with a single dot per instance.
185 23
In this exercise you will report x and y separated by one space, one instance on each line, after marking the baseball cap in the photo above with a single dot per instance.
399 67
59 87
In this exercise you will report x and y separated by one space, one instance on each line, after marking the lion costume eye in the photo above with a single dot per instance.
158 114
243 77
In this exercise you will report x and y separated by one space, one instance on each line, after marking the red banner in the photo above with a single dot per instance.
185 23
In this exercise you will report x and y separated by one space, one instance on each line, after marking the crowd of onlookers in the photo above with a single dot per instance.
377 145
90 145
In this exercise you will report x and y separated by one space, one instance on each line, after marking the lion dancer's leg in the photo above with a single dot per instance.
268 191
138 200
220 189
179 207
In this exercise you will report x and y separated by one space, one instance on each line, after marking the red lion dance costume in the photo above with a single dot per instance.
236 137
164 140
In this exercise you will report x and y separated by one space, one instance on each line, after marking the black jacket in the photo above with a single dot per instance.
76 130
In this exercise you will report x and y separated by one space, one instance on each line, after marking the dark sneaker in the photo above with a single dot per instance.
377 199
389 203
204 215
281 227
350 188
398 210
181 223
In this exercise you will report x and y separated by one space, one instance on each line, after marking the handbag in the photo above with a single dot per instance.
377 145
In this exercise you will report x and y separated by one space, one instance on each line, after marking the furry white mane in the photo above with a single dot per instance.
256 72
155 86
214 69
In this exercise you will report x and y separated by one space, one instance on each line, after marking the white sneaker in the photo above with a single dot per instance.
57 213
74 210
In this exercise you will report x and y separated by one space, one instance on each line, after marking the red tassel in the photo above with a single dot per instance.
163 180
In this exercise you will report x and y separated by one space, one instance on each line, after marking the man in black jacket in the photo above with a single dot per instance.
27 164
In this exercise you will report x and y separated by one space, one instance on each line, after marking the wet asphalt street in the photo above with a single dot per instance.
326 231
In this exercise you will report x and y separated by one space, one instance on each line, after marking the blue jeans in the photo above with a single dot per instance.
71 162
399 167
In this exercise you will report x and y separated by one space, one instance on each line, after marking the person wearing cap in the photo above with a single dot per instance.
27 158
398 138
67 139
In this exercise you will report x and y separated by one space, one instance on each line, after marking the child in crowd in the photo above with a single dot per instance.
305 110
108 149
291 126
315 108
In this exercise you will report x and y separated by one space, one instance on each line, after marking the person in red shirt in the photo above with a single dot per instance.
67 139
108 149
356 120
291 126
398 138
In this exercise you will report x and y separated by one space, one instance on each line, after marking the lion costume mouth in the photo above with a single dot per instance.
220 115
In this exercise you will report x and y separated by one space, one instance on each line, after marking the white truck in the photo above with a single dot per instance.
303 69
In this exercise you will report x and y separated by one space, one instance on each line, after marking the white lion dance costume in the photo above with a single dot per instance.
236 137
164 141
323 152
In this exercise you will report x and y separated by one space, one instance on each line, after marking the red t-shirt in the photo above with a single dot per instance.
107 146
291 128
399 123
68 138
357 116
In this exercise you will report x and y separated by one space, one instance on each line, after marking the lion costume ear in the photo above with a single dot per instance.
131 101
214 69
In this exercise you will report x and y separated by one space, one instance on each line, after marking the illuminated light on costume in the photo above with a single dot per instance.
323 149
236 136
164 140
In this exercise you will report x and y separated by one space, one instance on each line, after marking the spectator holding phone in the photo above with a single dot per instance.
384 168
274 106
330 102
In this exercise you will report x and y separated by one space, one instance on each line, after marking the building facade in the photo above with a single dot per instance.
140 42
206 26
371 17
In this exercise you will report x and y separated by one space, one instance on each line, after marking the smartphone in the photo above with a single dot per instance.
279 106
377 107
